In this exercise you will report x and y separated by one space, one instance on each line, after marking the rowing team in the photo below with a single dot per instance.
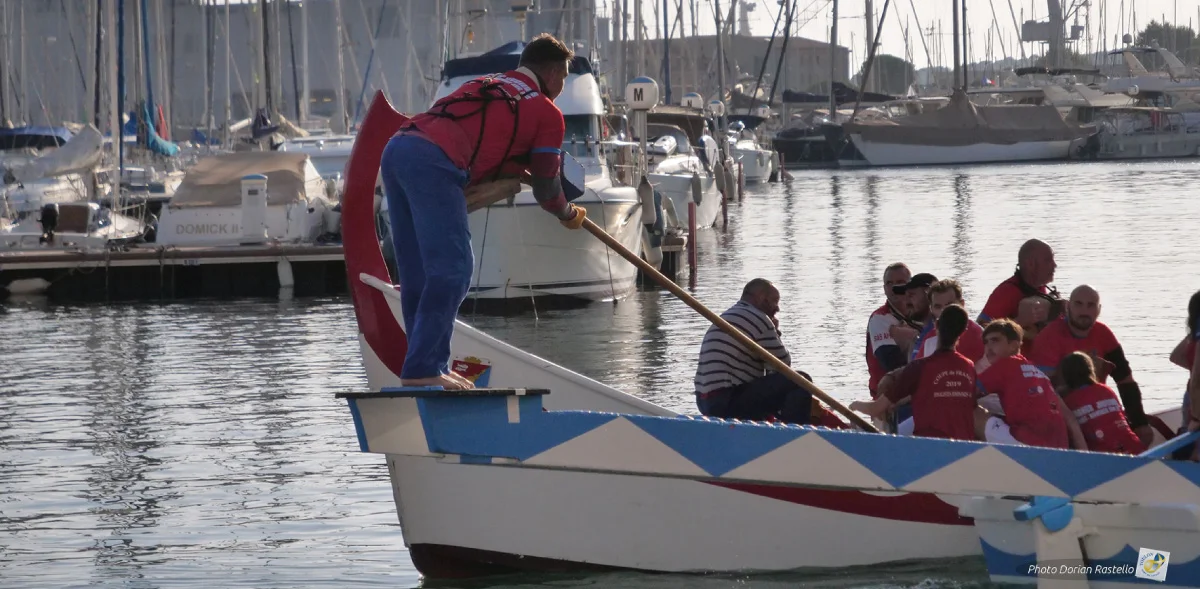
1031 370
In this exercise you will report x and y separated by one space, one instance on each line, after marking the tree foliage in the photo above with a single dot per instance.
889 75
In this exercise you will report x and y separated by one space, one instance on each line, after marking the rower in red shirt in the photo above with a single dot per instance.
1096 408
505 124
1026 297
1081 331
941 386
883 353
1032 414
942 294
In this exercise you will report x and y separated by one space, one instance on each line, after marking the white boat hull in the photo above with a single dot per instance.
896 154
540 519
757 164
1177 145
678 188
522 251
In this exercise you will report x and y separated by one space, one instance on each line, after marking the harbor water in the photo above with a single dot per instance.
198 444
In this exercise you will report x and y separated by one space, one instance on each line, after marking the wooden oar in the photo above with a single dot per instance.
724 325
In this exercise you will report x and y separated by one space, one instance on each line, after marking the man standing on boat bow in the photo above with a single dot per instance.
732 382
499 124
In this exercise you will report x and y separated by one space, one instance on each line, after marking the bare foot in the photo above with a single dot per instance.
461 379
441 380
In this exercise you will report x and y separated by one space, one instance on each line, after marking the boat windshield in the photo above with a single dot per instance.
681 138
581 129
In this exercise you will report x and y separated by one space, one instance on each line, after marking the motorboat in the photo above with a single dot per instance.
72 225
212 206
521 252
593 478
964 133
1143 132
684 163
328 154
46 165
757 163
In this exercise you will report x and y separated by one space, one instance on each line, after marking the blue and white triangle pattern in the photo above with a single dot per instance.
715 449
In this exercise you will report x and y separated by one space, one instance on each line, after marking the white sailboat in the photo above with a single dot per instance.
964 133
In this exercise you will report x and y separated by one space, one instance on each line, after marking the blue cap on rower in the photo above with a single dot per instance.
922 280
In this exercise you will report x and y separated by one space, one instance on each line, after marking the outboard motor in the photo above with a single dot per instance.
49 222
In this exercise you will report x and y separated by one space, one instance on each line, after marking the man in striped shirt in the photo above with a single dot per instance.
732 382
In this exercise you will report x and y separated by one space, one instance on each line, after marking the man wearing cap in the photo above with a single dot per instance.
916 293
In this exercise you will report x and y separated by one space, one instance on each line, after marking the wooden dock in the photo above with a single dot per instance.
148 272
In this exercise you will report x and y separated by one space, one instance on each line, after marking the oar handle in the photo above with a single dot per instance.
724 325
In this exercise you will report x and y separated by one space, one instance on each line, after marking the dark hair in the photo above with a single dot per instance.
1193 313
544 50
755 286
1076 370
1006 327
951 325
947 285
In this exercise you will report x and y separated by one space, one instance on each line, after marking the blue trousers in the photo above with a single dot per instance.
773 394
432 244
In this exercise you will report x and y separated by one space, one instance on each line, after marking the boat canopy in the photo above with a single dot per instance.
963 123
841 92
33 137
501 59
216 181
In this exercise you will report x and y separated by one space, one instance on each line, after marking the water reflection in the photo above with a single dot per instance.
167 445
962 253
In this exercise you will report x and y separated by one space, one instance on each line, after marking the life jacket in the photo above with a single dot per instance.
490 90
1057 304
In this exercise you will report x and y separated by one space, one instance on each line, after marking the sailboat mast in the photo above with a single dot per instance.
114 108
666 54
228 86
304 99
833 36
266 52
100 15
954 14
720 54
340 96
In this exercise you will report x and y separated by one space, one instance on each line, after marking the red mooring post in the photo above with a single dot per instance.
741 182
724 213
691 246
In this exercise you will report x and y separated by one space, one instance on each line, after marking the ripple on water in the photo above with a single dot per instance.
157 445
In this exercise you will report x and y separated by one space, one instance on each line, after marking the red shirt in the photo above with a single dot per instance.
1056 341
538 128
879 335
1029 402
970 343
942 387
1098 411
1005 300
